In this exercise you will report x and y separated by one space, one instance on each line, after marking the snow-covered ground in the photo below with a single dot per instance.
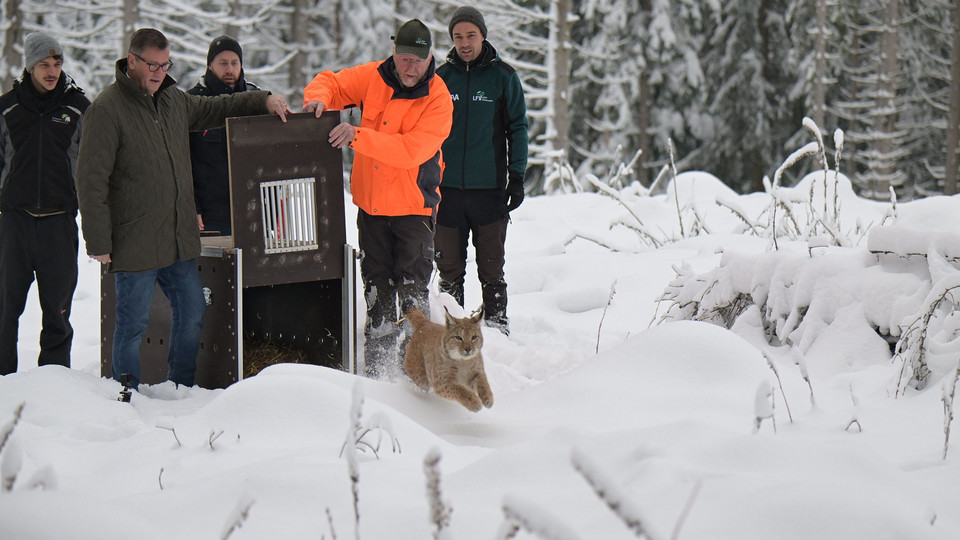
661 418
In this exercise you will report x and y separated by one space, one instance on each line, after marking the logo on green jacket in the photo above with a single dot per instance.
480 96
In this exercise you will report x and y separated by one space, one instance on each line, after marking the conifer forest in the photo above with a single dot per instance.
720 86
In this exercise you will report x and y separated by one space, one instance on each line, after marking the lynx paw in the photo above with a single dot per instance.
474 404
487 399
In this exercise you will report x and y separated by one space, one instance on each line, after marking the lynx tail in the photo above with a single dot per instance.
416 318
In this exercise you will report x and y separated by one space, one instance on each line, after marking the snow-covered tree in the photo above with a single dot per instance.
746 69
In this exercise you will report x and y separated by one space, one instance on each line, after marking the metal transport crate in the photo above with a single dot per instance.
286 279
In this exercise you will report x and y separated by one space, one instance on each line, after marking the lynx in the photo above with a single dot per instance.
447 358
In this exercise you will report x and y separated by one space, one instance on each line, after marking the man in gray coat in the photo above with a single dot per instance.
137 207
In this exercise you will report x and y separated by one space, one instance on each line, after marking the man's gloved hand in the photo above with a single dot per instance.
514 192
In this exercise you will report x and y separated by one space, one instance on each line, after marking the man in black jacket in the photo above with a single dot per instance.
208 149
39 136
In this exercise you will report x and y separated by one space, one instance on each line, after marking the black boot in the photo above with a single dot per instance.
381 331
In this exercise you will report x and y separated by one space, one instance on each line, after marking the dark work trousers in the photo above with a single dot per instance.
396 263
45 247
482 213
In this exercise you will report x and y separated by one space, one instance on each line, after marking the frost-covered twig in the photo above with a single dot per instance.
853 420
676 192
814 130
776 373
333 533
439 510
11 461
797 155
519 514
170 428
660 176
608 490
378 423
214 435
615 195
160 478
8 428
352 454
740 214
949 392
682 518
802 364
238 517
763 406
613 289
588 238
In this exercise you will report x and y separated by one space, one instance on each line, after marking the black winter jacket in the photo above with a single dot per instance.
39 138
208 152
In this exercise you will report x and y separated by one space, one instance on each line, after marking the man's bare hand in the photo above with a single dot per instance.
342 135
278 106
102 259
315 106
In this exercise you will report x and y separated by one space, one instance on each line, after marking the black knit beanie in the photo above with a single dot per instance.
470 15
223 43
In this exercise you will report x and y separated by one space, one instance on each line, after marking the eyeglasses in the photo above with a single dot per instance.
153 66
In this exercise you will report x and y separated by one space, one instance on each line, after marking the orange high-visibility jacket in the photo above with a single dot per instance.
397 164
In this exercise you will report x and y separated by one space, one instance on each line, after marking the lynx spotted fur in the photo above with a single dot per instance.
447 358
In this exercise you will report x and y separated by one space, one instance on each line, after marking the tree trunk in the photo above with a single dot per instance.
953 125
643 125
131 21
644 113
560 73
886 107
236 12
11 36
300 36
819 84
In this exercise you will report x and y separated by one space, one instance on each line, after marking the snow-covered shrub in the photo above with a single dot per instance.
797 296
904 288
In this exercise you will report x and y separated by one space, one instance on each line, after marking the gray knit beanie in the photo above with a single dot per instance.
468 14
38 46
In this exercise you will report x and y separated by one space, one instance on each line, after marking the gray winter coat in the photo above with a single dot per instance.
134 179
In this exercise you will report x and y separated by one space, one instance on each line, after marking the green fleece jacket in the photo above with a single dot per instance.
134 179
488 140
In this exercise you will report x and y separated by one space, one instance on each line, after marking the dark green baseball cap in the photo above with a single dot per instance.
413 37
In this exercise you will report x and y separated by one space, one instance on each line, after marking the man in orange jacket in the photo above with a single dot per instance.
407 112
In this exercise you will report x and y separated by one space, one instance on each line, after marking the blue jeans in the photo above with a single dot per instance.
180 283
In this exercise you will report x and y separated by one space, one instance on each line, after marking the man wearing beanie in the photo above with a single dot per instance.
397 167
39 136
208 149
486 156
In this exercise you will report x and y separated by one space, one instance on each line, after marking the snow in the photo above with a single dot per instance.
609 417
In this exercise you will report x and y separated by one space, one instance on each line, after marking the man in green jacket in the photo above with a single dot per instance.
486 158
135 189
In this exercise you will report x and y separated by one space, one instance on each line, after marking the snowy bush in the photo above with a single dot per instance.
818 281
